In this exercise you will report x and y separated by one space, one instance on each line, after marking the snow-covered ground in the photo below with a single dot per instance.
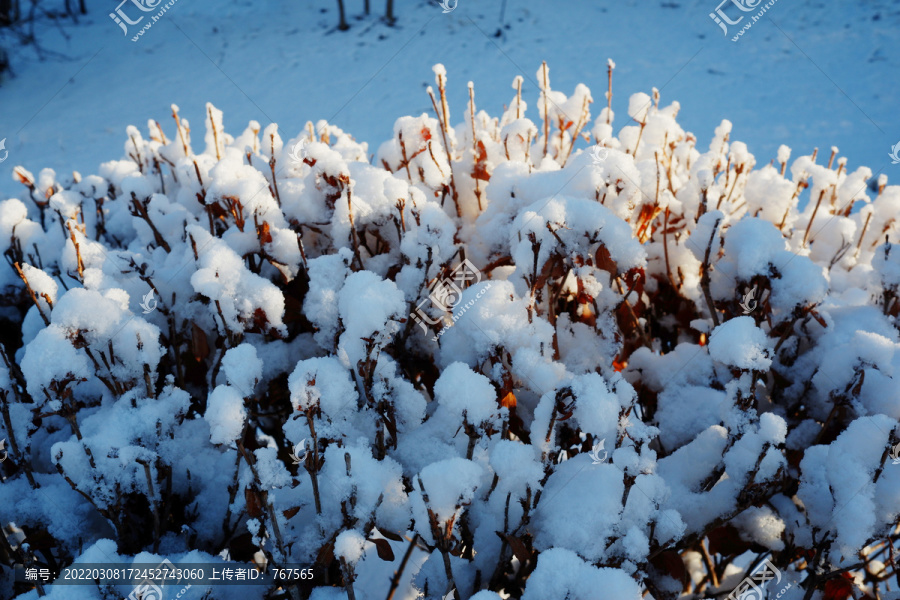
808 74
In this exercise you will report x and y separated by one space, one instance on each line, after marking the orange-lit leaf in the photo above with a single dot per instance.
264 236
839 588
21 175
605 261
648 213
480 169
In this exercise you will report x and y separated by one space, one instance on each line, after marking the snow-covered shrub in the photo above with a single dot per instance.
559 362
